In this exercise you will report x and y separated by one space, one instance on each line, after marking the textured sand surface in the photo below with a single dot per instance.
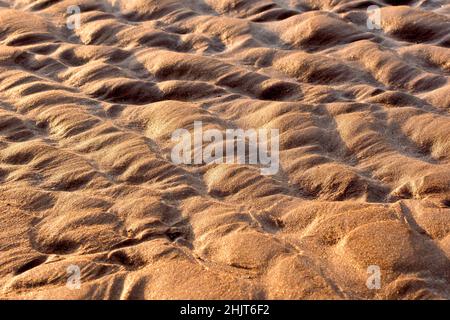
86 118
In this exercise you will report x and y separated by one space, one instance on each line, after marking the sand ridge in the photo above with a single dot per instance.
86 118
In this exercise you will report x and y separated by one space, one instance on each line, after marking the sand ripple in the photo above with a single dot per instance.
86 178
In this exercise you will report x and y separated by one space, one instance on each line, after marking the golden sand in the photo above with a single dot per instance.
86 179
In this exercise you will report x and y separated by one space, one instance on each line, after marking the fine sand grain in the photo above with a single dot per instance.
86 178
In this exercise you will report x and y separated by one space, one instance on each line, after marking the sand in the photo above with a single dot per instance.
86 178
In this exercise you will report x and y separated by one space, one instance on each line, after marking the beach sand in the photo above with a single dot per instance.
93 207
